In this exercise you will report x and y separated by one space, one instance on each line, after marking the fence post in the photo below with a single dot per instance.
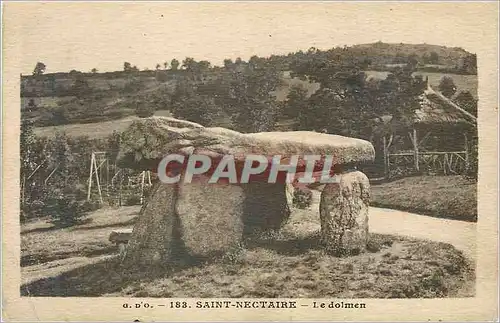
466 149
386 164
415 149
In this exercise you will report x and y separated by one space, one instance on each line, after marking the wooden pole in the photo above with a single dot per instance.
415 149
97 179
107 177
386 168
90 176
114 172
142 186
120 190
23 190
50 175
466 149
36 169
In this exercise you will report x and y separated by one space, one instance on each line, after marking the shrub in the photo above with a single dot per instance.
144 110
89 206
64 209
32 209
133 200
302 199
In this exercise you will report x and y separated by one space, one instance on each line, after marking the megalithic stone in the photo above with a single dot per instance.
154 235
344 214
210 216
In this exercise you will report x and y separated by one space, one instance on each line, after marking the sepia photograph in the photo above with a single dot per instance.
253 156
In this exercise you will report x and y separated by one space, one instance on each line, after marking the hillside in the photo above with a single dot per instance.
66 101
382 56
446 55
119 115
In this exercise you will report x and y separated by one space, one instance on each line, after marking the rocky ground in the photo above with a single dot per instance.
80 261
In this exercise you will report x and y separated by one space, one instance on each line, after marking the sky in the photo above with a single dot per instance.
83 36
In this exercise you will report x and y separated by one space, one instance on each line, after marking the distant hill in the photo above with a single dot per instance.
448 56
382 57
81 98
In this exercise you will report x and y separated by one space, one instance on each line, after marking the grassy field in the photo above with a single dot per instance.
288 82
93 130
80 261
463 82
49 102
441 196
105 128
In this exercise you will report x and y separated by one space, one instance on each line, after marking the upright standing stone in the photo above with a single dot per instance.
211 216
344 214
153 237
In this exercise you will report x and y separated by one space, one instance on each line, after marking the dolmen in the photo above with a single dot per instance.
208 216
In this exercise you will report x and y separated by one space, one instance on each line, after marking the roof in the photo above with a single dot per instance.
437 109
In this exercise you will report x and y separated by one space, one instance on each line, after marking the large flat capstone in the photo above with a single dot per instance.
148 140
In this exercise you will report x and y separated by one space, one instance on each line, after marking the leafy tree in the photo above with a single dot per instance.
347 103
160 99
174 65
39 68
228 63
59 116
243 95
467 102
469 64
256 62
144 110
412 61
27 141
94 70
133 85
165 65
194 101
113 144
447 86
249 99
189 64
296 101
203 66
157 66
80 86
433 58
127 67
63 208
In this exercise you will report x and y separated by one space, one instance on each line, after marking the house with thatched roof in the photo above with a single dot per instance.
437 110
437 139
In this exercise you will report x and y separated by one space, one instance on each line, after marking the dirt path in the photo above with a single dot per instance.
460 234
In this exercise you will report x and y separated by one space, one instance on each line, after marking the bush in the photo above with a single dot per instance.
302 199
144 110
32 209
64 209
89 206
133 200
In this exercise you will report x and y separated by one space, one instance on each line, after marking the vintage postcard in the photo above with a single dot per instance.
250 161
